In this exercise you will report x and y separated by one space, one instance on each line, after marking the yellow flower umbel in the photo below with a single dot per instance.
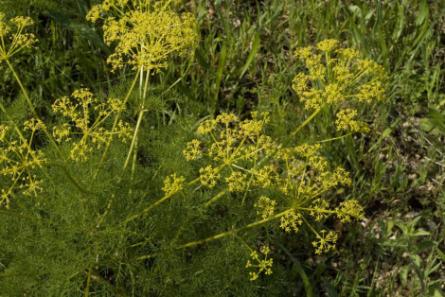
291 222
265 207
88 116
144 33
19 161
209 176
238 157
193 150
13 36
232 147
325 242
173 184
340 79
346 120
260 262
348 210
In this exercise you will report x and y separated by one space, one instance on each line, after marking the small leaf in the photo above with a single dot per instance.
252 54
423 13
355 10
437 120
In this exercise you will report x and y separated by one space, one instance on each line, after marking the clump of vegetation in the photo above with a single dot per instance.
172 179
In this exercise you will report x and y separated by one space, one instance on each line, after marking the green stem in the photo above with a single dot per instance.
317 210
334 138
234 231
16 128
306 122
86 291
163 199
134 139
215 198
30 104
223 234
147 209
144 95
310 226
116 121
133 164
306 281
141 80
82 188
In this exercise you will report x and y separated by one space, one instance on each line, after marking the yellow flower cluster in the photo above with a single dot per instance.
239 157
319 208
350 209
325 242
261 262
228 139
19 161
339 78
237 181
240 152
209 176
33 125
307 173
291 221
13 37
86 118
145 33
193 150
173 184
346 120
233 146
265 207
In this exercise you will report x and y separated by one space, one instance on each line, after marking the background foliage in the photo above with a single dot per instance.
244 61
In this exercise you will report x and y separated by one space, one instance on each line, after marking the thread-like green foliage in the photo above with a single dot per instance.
135 189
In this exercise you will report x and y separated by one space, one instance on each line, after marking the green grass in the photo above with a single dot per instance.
244 62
